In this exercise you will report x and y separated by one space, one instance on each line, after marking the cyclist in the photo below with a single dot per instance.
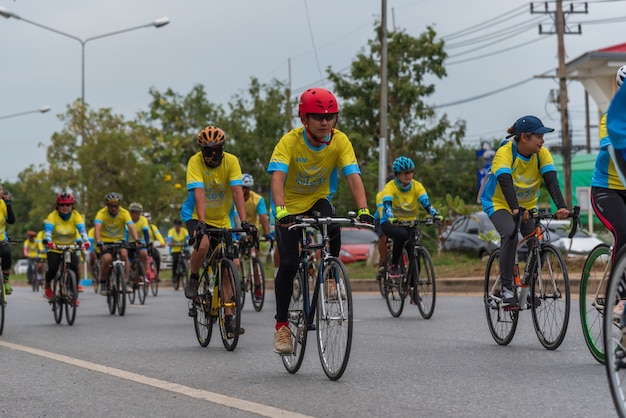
400 201
155 236
43 253
214 185
141 226
518 167
177 238
608 191
60 229
31 252
6 217
256 211
110 226
304 167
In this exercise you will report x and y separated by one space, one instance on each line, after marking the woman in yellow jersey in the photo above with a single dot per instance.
517 168
6 217
60 229
155 236
400 198
304 167
177 238
31 252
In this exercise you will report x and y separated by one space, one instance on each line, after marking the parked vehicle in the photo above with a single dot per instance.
581 244
20 266
463 235
356 244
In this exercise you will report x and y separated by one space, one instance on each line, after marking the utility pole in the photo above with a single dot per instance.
558 16
382 143
288 104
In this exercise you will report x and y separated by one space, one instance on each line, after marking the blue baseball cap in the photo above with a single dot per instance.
530 124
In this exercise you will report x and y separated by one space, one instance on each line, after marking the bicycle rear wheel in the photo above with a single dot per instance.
502 321
394 296
70 295
202 321
57 307
133 274
425 292
550 299
333 320
257 281
229 294
142 283
592 298
297 326
2 307
120 284
154 283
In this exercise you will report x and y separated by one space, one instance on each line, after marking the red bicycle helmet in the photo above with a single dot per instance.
317 100
65 198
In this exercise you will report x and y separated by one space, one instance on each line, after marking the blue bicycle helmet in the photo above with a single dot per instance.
403 164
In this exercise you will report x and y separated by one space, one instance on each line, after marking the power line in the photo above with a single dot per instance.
495 52
317 60
474 28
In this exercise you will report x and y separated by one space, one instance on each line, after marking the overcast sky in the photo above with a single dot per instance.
222 44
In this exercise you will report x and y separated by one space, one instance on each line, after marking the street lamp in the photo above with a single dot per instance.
157 24
42 109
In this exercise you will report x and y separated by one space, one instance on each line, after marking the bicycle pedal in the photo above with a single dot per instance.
192 312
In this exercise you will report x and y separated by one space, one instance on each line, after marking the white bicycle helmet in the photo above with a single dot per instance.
247 180
621 75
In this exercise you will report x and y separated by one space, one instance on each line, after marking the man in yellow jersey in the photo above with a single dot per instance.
31 252
304 167
256 210
60 229
214 184
400 201
143 228
109 227
177 238
155 236
6 217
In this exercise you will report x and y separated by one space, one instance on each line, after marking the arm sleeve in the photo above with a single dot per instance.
552 184
10 215
505 180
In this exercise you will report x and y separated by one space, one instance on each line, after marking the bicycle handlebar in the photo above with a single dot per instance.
415 222
304 222
574 213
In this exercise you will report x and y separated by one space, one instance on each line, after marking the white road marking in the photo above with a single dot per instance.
241 404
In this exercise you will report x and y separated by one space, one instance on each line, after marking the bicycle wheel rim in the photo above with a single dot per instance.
614 340
257 273
333 320
57 308
502 323
70 296
297 326
121 290
142 285
551 317
242 285
392 291
591 307
2 307
424 284
202 322
228 272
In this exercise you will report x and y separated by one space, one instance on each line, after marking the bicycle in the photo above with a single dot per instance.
3 296
592 300
65 286
31 274
210 305
329 304
181 275
417 275
380 275
139 284
544 287
153 280
251 272
116 280
614 330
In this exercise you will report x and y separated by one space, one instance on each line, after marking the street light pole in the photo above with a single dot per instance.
42 109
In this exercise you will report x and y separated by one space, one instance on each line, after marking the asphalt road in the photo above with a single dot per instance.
148 363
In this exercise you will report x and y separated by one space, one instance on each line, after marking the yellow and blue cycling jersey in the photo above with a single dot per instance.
93 248
379 206
4 212
604 173
177 240
31 248
43 250
311 172
526 174
113 228
61 230
155 235
143 229
216 183
255 207
404 203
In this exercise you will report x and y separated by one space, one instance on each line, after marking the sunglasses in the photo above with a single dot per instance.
113 206
407 172
65 204
323 116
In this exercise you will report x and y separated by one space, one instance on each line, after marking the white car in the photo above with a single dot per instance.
21 266
581 244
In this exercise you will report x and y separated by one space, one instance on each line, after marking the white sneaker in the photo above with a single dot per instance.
282 341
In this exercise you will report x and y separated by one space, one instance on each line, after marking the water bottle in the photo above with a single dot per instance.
211 279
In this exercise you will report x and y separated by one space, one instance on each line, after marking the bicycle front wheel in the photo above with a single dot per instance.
502 321
242 278
2 307
120 284
550 299
257 279
230 309
202 321
333 319
142 283
154 283
614 331
70 295
297 326
112 295
133 274
57 307
394 296
592 298
424 293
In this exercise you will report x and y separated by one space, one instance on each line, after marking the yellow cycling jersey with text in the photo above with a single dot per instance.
113 228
